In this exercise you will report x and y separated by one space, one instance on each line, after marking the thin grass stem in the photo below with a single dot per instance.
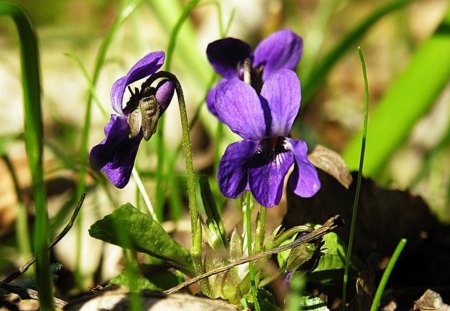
358 183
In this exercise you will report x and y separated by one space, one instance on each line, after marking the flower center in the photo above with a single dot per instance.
250 74
269 149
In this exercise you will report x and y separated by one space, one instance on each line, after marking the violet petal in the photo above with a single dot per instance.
282 92
147 66
211 98
282 49
164 94
239 107
267 180
115 155
304 180
232 175
225 55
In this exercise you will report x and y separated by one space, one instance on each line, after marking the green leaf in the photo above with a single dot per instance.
312 304
129 228
158 280
214 225
266 300
334 257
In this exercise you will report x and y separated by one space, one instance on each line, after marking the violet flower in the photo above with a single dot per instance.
115 154
260 162
233 58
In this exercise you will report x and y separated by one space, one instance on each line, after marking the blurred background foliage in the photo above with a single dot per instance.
332 110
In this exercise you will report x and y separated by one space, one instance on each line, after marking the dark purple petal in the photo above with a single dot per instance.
225 55
304 180
147 66
282 92
164 94
239 107
233 171
266 181
281 49
115 155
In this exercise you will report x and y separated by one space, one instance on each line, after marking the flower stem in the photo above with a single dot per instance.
196 248
248 227
260 229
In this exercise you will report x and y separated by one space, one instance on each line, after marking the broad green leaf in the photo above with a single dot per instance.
129 228
158 280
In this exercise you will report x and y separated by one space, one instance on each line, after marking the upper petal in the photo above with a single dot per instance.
232 175
304 180
225 55
282 92
115 155
266 180
281 49
239 107
147 66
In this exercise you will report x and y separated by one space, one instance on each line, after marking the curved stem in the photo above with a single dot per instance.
196 248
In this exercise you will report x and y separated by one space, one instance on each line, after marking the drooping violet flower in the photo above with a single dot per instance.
115 154
260 162
233 58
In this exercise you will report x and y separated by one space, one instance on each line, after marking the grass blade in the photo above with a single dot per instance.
359 180
386 274
31 85
412 94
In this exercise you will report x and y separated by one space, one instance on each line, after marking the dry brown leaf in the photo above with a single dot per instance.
331 163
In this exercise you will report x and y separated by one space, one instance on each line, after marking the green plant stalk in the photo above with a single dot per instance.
31 86
196 229
260 229
248 231
410 96
387 273
160 146
100 59
348 255
314 81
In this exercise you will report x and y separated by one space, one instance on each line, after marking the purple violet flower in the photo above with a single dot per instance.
115 154
232 58
260 162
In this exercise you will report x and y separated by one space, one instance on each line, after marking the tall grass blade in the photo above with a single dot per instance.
409 98
31 85
358 182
